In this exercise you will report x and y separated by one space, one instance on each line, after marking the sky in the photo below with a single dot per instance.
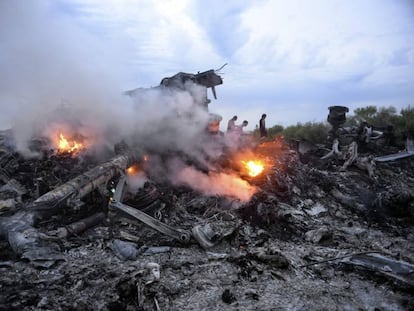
289 59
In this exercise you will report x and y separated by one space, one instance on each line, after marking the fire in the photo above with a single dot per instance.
254 167
132 170
215 183
64 145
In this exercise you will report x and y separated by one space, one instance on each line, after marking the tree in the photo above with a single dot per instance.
407 120
385 115
275 130
366 114
313 132
386 119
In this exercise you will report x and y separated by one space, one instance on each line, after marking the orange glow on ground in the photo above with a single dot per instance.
253 167
133 169
68 146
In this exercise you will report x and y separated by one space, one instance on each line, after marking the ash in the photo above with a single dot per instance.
313 237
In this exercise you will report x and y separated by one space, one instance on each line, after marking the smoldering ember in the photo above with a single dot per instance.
227 221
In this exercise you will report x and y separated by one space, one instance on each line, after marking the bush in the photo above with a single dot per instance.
317 132
385 116
272 132
313 132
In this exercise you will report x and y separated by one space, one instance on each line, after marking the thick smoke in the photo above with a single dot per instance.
56 74
213 183
58 77
52 71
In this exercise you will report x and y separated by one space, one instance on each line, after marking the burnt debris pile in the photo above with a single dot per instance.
80 232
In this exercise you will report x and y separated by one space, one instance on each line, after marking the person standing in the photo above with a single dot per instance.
239 128
231 124
262 126
235 136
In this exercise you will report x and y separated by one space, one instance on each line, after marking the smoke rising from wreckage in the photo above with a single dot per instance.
159 224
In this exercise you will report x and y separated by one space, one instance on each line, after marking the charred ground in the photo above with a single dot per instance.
312 237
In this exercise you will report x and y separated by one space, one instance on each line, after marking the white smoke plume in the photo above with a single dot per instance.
136 181
213 183
58 77
55 74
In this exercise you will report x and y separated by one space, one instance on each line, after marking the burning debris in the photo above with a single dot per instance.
153 224
71 146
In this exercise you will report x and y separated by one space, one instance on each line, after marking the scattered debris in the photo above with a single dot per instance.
398 271
317 235
75 234
408 152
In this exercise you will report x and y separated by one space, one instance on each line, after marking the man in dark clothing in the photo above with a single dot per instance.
262 126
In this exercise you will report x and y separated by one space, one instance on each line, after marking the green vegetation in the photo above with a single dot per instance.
373 115
313 132
406 121
402 122
275 130
317 132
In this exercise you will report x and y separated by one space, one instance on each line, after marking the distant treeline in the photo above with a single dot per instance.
317 132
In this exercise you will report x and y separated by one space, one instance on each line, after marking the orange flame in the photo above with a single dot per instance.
132 170
65 145
254 167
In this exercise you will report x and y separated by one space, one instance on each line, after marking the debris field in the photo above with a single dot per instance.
313 236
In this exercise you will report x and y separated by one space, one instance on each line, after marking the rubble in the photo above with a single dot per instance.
397 270
261 254
408 152
317 232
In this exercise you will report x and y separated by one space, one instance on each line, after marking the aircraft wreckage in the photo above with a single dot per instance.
302 228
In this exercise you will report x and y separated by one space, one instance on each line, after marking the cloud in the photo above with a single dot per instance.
306 56
290 59
163 38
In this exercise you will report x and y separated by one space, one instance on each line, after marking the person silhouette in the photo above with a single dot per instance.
262 126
